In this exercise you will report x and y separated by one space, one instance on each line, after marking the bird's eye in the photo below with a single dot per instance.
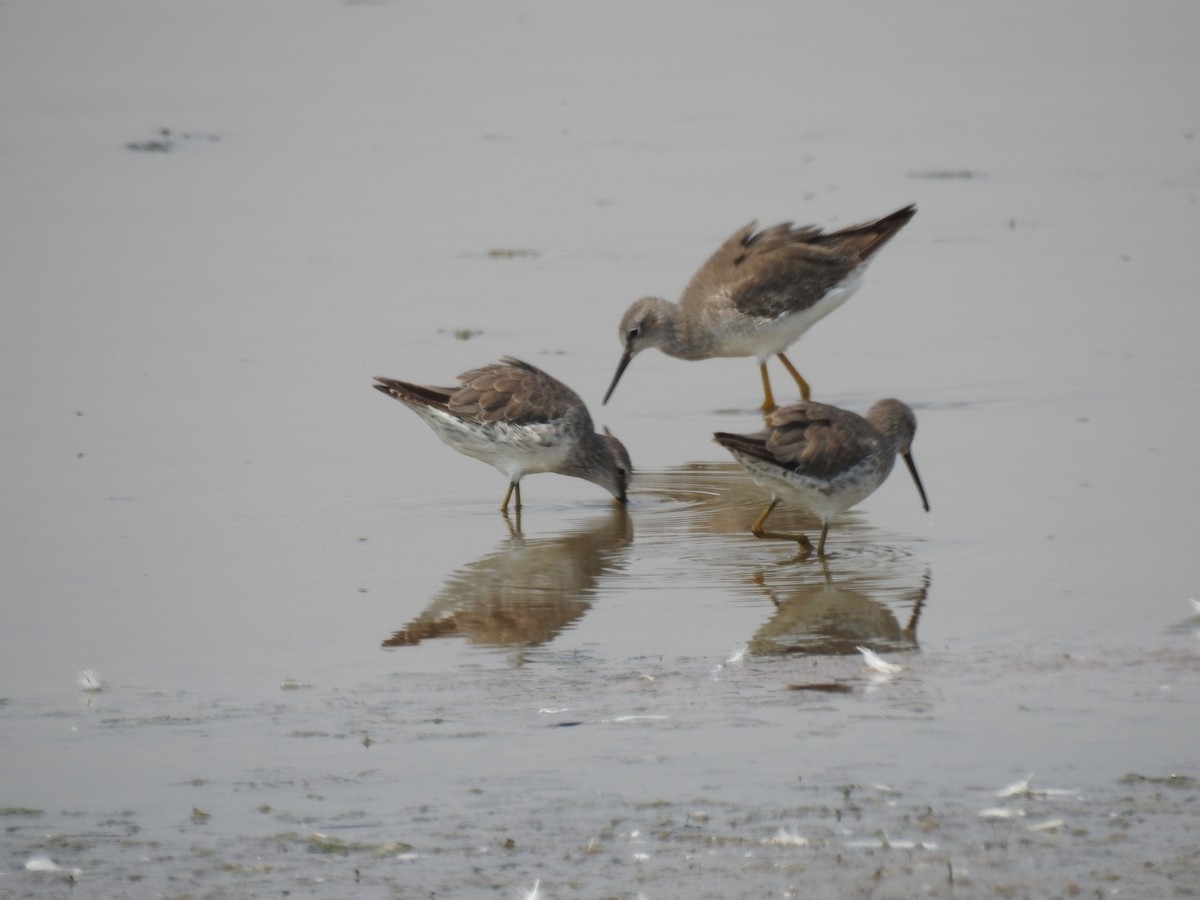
632 334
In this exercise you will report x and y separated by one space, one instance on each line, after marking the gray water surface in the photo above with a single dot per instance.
330 668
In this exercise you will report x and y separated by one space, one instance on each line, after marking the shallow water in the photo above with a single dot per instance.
330 667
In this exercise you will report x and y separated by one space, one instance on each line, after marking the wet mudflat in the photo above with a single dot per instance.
328 667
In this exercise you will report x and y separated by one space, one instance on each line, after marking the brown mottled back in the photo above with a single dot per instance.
787 268
820 440
511 391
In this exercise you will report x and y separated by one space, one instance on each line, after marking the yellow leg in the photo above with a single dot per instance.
768 404
805 392
514 487
821 543
759 532
757 527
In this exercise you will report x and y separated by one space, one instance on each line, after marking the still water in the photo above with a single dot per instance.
328 666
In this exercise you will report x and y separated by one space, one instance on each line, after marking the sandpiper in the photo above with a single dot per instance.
517 418
757 295
824 458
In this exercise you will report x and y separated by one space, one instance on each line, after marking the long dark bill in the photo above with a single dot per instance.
625 358
912 470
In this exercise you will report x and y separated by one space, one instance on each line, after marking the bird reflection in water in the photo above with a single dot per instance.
527 591
830 618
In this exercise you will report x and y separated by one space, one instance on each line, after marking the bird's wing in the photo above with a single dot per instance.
769 272
512 391
414 394
820 440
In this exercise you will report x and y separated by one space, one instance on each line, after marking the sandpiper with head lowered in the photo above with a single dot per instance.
824 458
517 418
757 295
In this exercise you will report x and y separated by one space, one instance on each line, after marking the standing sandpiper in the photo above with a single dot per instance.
517 418
824 458
757 295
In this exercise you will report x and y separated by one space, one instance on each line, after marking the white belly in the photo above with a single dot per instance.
824 498
515 450
764 338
